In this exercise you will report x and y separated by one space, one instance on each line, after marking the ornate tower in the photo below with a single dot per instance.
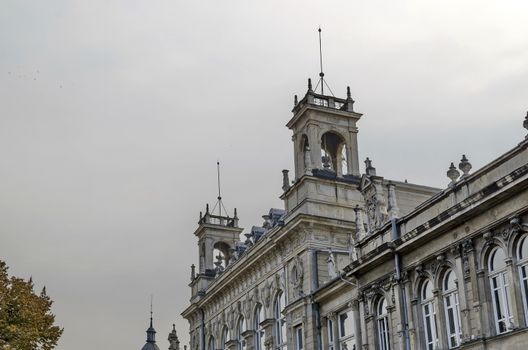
217 243
326 156
325 134
173 339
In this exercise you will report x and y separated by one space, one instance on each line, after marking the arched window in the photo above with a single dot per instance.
429 315
500 289
240 330
225 337
522 258
382 317
211 345
333 153
259 330
452 309
280 321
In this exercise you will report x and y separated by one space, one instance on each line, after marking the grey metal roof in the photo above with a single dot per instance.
150 346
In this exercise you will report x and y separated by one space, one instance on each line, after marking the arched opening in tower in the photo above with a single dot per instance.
334 153
221 255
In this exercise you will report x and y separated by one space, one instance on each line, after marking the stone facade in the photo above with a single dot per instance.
356 261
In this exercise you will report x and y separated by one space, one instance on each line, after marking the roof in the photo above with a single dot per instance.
150 346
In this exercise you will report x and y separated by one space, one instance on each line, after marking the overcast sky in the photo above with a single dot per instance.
114 113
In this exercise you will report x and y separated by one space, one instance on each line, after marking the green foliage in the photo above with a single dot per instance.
26 322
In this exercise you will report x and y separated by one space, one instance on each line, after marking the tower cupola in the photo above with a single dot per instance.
325 134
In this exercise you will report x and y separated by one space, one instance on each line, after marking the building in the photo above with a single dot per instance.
357 261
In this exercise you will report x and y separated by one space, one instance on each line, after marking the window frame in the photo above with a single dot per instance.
451 304
281 336
382 324
330 333
522 267
345 338
299 337
260 334
429 322
500 292
241 328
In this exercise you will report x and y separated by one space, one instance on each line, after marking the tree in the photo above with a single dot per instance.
26 322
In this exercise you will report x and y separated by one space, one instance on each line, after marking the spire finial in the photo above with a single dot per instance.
452 174
465 166
309 84
151 297
151 332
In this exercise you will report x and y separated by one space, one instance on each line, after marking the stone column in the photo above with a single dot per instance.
440 319
514 291
463 303
412 314
357 324
353 157
325 339
297 155
517 289
363 322
314 139
392 325
482 306
209 259
398 326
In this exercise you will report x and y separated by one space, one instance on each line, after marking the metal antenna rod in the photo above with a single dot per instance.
151 297
321 61
219 193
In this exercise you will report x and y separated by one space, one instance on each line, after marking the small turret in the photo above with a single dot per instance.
173 339
151 335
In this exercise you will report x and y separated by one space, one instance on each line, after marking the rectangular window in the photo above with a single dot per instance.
452 313
299 338
524 288
501 303
383 333
330 329
429 317
346 330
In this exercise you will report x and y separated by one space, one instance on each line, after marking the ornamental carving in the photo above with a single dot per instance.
372 213
269 342
515 227
375 203
266 294
297 276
